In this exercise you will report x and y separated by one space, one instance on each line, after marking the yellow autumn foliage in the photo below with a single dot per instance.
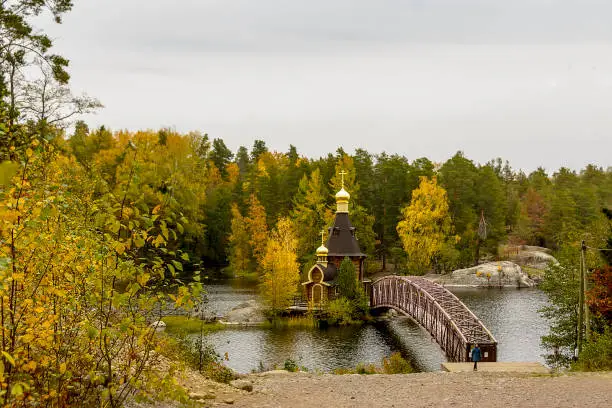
426 224
75 307
280 267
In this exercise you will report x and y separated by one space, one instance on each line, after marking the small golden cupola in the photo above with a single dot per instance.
342 197
322 251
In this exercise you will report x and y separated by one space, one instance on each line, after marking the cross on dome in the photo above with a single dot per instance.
342 173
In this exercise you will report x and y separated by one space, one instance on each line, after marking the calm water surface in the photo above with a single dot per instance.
510 314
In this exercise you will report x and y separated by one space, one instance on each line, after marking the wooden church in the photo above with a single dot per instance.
341 242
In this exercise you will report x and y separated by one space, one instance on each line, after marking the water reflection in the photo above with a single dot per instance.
511 315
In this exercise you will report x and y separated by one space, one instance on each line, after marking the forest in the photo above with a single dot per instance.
232 200
99 227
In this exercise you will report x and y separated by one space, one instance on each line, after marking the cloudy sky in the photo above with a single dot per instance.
527 80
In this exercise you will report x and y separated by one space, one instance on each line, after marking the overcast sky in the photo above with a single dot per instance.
527 80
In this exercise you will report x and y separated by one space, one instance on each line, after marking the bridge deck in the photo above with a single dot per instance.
448 320
468 323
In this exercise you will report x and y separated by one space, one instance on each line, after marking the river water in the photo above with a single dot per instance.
510 314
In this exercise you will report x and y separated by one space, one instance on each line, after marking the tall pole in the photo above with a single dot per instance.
587 320
581 300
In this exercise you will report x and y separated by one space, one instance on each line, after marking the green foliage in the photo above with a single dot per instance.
290 366
396 364
307 321
186 325
361 218
98 229
606 253
308 213
347 279
561 284
81 282
392 181
220 155
596 354
399 259
362 368
217 371
198 354
339 312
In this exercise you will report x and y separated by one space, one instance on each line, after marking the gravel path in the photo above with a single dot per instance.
499 390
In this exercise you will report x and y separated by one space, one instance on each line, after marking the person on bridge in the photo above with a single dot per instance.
476 356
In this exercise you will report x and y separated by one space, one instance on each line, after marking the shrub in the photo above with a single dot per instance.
199 355
597 354
339 312
363 368
396 364
216 371
290 366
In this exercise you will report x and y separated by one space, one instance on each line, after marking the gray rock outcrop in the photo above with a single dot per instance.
533 256
492 274
249 312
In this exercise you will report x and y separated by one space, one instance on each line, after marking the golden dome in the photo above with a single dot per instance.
322 250
342 196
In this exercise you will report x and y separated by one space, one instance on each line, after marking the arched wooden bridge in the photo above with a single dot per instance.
442 314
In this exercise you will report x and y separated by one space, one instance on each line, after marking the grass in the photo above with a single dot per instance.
291 322
395 364
189 325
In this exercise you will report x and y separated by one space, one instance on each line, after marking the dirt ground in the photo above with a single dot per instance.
439 389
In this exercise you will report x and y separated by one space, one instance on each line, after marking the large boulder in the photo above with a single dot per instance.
533 256
249 312
492 274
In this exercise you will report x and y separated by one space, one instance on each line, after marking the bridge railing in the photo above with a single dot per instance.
441 313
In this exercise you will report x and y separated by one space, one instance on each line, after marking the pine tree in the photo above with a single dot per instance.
347 279
308 214
220 155
393 187
490 203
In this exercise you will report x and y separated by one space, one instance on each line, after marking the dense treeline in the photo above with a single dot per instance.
211 187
